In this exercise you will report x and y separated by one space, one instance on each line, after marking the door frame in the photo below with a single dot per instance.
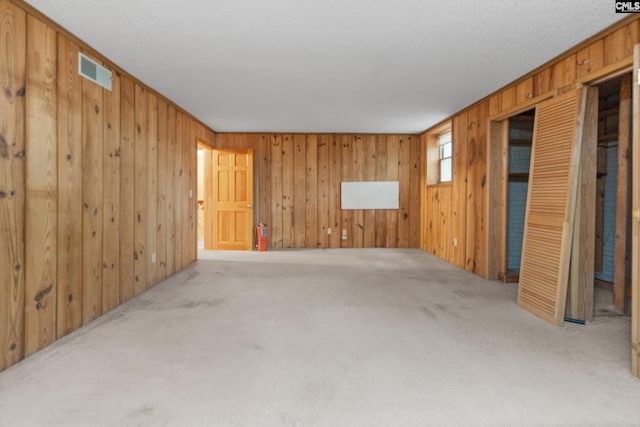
497 155
208 216
497 149
210 219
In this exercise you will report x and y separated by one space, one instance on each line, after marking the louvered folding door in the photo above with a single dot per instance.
551 200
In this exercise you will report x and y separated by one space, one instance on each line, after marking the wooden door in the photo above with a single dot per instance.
232 197
635 228
551 202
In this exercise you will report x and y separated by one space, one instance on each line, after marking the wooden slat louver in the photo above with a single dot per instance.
550 209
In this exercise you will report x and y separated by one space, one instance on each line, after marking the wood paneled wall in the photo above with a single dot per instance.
445 217
93 184
297 187
460 211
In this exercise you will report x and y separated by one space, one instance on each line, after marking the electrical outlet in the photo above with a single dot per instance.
455 241
153 258
329 231
344 234
190 194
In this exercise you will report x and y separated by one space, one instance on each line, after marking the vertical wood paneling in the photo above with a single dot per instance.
476 194
49 172
171 190
459 190
316 206
441 232
414 194
424 211
127 186
288 189
253 142
41 186
111 198
13 34
466 216
335 218
393 152
542 82
370 175
193 187
299 190
508 98
92 192
74 163
435 226
264 180
524 90
621 277
495 102
404 174
152 189
140 189
161 209
498 183
183 190
590 59
178 193
480 202
185 199
184 194
564 72
619 45
381 175
69 315
323 190
208 198
239 141
580 291
357 174
346 143
311 193
430 227
472 186
276 191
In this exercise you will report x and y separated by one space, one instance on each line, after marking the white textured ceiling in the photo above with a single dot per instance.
379 66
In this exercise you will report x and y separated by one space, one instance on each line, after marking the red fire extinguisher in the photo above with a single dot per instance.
262 236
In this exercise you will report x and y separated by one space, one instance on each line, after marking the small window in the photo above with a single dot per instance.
439 155
445 149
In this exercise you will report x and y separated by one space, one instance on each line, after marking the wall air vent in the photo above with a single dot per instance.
90 69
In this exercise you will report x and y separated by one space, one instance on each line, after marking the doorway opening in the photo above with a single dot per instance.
518 163
612 261
202 189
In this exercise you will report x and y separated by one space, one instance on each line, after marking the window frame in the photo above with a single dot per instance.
433 158
442 142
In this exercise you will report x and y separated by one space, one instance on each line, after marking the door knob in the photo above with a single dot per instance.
250 206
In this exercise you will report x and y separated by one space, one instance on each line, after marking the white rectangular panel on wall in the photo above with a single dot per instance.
370 195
